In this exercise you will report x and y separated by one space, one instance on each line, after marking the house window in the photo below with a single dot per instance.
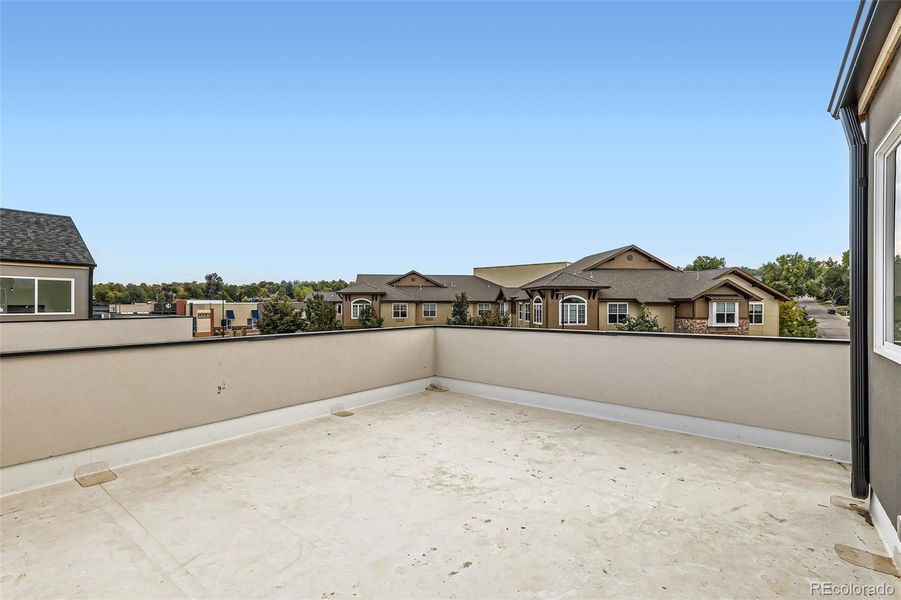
355 307
887 246
723 314
429 310
482 308
573 311
617 312
527 306
519 310
30 295
537 312
399 311
755 313
339 308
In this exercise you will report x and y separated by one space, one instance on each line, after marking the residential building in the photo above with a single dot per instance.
46 269
599 292
867 100
417 299
333 298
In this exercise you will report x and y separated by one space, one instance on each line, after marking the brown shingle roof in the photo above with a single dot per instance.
476 288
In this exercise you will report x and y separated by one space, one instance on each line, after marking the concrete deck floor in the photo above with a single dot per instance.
442 495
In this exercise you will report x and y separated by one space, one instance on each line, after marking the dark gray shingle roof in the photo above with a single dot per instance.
476 288
37 237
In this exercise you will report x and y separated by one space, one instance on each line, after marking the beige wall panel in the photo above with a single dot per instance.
414 281
59 403
387 313
444 311
639 261
20 336
791 386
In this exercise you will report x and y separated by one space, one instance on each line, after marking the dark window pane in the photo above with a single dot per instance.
16 295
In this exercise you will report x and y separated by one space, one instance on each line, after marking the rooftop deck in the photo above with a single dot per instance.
442 494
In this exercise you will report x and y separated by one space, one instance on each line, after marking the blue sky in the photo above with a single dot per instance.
317 140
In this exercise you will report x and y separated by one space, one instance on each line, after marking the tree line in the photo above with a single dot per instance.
212 287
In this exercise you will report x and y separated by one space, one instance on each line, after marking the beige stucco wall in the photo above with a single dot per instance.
19 336
59 403
517 275
444 311
81 275
791 386
387 313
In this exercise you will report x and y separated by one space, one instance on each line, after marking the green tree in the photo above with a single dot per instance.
214 286
278 316
793 275
836 280
702 263
368 319
321 315
459 311
643 322
795 322
492 318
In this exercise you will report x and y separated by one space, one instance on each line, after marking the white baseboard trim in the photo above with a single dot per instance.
886 528
56 469
787 441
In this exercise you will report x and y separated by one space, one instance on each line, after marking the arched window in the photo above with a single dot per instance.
573 311
537 311
355 307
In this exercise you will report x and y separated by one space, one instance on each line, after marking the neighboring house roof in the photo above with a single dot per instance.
38 237
327 296
645 285
445 288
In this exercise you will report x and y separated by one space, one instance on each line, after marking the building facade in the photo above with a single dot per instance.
46 269
866 99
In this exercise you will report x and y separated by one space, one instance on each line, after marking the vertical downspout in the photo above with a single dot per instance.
860 456
91 293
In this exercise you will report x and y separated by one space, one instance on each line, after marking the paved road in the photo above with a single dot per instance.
829 326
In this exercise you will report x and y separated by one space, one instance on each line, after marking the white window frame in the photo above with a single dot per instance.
762 306
527 311
519 310
482 308
538 311
581 301
71 281
883 262
711 319
355 307
395 312
617 314
434 310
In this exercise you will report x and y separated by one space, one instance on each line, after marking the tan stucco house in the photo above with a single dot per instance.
597 293
46 269
600 291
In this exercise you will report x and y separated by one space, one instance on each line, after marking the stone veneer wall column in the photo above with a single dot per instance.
683 325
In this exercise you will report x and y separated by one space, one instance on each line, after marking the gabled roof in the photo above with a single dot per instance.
475 288
327 296
645 285
41 238
611 254
418 274
717 284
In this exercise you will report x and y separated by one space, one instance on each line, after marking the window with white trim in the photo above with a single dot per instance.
37 295
519 310
482 308
723 314
537 312
399 310
755 313
429 310
617 312
355 307
573 311
339 308
527 312
887 245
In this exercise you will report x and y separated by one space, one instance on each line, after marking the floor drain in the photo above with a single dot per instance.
343 413
94 474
